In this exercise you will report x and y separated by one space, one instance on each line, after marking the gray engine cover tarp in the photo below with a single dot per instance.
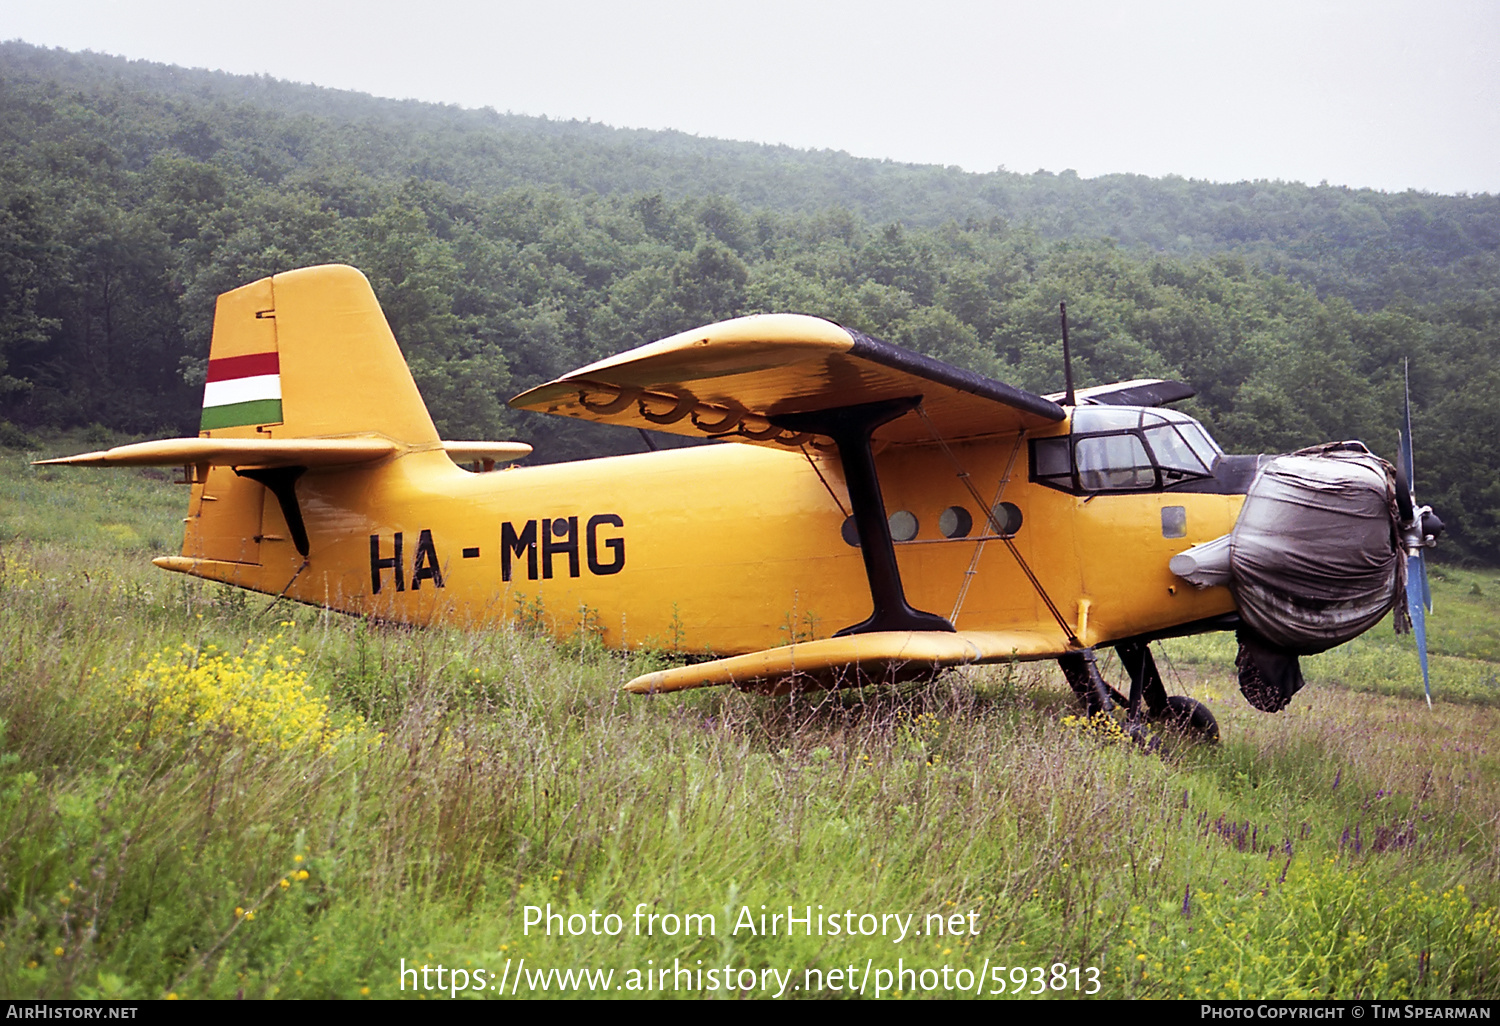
1313 556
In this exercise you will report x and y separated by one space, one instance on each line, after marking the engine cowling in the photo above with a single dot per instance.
1314 560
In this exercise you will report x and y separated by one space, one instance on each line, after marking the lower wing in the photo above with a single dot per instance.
883 656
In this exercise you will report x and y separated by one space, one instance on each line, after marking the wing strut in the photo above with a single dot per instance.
850 427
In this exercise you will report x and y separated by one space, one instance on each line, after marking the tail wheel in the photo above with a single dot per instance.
1191 717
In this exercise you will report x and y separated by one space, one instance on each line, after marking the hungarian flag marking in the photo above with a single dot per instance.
242 390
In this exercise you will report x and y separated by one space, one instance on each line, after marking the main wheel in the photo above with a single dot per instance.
1191 717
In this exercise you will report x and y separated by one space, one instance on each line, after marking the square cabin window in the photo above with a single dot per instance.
1052 462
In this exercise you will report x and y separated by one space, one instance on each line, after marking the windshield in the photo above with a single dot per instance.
1125 449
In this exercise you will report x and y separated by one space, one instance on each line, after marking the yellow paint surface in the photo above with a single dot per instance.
733 550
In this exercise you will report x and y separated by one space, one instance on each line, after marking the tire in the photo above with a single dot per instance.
1192 718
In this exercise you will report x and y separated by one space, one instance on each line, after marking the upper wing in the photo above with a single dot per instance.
730 380
879 657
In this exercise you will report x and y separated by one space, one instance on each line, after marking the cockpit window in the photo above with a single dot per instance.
1172 452
1124 449
1088 419
1207 449
1113 463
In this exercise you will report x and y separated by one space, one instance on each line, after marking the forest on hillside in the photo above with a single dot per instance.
507 250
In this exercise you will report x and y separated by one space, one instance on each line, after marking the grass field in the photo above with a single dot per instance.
204 797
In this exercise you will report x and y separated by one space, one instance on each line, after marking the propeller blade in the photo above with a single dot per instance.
1418 591
1404 460
1416 568
1405 479
1420 559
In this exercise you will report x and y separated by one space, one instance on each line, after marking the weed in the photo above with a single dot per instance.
513 773
187 694
531 614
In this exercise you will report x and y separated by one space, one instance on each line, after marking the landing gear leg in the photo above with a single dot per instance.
1149 699
1083 676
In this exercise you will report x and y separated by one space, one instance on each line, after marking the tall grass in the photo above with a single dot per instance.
1347 846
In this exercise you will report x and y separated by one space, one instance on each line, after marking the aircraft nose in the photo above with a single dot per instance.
1310 560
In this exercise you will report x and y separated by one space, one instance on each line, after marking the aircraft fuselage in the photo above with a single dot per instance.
719 549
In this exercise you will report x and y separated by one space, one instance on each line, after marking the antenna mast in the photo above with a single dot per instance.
1070 399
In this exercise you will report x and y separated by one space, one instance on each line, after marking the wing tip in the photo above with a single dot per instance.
98 458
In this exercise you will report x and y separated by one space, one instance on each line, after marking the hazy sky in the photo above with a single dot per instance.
1391 94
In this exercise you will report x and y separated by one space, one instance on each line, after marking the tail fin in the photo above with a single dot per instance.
308 354
302 372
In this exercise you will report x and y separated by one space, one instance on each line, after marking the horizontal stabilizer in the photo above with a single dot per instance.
237 452
879 657
1138 392
734 379
211 569
276 452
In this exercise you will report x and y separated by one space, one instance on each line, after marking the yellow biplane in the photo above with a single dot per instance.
884 515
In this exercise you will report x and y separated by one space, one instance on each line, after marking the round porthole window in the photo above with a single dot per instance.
903 525
1007 518
955 522
850 532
